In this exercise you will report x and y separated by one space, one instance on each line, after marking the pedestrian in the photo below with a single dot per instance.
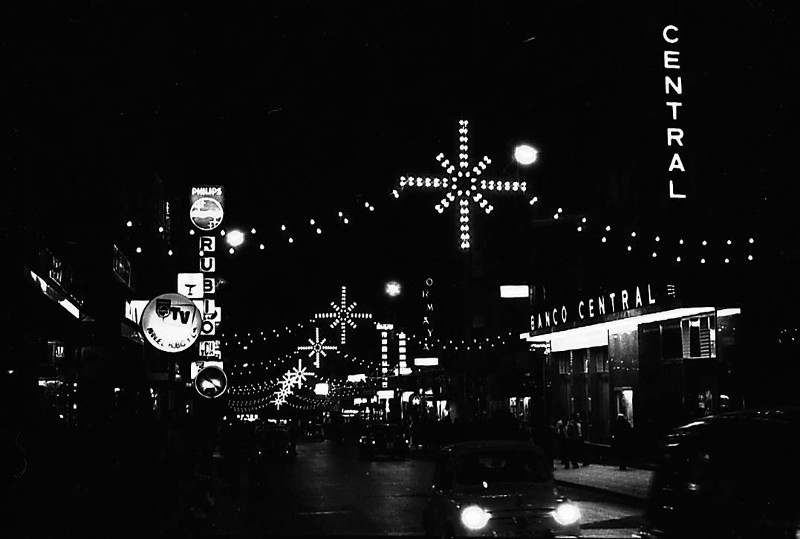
561 440
572 441
580 450
621 440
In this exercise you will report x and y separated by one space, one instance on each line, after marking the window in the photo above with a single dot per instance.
699 337
501 467
671 341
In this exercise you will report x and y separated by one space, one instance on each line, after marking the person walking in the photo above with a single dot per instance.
580 450
561 441
621 440
573 440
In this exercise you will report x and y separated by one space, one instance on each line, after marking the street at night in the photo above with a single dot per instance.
462 269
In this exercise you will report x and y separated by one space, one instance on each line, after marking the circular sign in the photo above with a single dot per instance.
206 213
171 322
211 382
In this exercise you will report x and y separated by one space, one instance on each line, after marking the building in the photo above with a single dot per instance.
640 351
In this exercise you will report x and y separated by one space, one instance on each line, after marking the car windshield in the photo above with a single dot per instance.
505 466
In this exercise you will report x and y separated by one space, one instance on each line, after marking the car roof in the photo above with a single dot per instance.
488 445
777 416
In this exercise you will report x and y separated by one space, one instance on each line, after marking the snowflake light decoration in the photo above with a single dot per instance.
317 347
296 376
343 315
463 188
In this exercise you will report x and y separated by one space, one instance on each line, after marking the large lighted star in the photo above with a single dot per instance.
343 315
463 188
317 347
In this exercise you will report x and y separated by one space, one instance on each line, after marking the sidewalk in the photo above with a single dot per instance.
631 483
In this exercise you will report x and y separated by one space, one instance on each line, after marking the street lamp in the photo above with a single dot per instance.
235 238
392 289
525 154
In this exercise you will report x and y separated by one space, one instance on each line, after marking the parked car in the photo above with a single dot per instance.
497 488
383 439
730 475
314 432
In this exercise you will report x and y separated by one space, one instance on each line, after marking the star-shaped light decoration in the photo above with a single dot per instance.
300 374
463 188
317 347
343 315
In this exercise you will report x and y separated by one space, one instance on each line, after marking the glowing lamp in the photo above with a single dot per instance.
525 154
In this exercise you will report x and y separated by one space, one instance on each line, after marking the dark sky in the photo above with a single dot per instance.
303 109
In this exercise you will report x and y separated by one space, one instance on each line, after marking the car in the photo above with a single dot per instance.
497 488
273 444
728 475
383 439
314 433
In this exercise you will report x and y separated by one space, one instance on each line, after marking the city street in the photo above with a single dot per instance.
328 490
254 241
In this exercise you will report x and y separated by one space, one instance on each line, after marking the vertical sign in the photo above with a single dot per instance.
673 88
427 314
206 212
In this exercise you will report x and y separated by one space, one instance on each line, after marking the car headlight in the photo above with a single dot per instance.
567 513
474 518
362 440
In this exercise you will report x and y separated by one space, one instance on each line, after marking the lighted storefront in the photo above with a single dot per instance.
650 357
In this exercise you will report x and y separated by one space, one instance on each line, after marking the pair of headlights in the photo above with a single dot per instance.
475 518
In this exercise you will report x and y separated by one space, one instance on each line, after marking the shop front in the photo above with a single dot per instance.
651 358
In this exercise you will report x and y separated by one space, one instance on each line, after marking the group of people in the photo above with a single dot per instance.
571 437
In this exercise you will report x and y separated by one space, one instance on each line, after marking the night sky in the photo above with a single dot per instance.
305 109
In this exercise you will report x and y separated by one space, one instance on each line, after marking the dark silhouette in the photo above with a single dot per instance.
573 441
621 440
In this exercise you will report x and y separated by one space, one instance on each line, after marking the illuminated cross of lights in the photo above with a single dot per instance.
317 347
463 188
343 315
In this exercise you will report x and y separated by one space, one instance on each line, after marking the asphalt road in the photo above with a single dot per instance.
328 490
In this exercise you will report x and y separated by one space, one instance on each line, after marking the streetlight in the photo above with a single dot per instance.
525 154
235 238
392 289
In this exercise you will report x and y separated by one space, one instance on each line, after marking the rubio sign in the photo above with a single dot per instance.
588 308
171 322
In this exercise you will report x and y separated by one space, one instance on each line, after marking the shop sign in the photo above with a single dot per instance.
673 88
191 285
134 309
598 306
210 349
171 322
207 206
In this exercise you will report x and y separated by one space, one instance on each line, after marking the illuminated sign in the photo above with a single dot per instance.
197 366
428 312
171 322
190 285
673 86
386 393
211 382
612 302
426 361
207 207
134 309
210 349
514 291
